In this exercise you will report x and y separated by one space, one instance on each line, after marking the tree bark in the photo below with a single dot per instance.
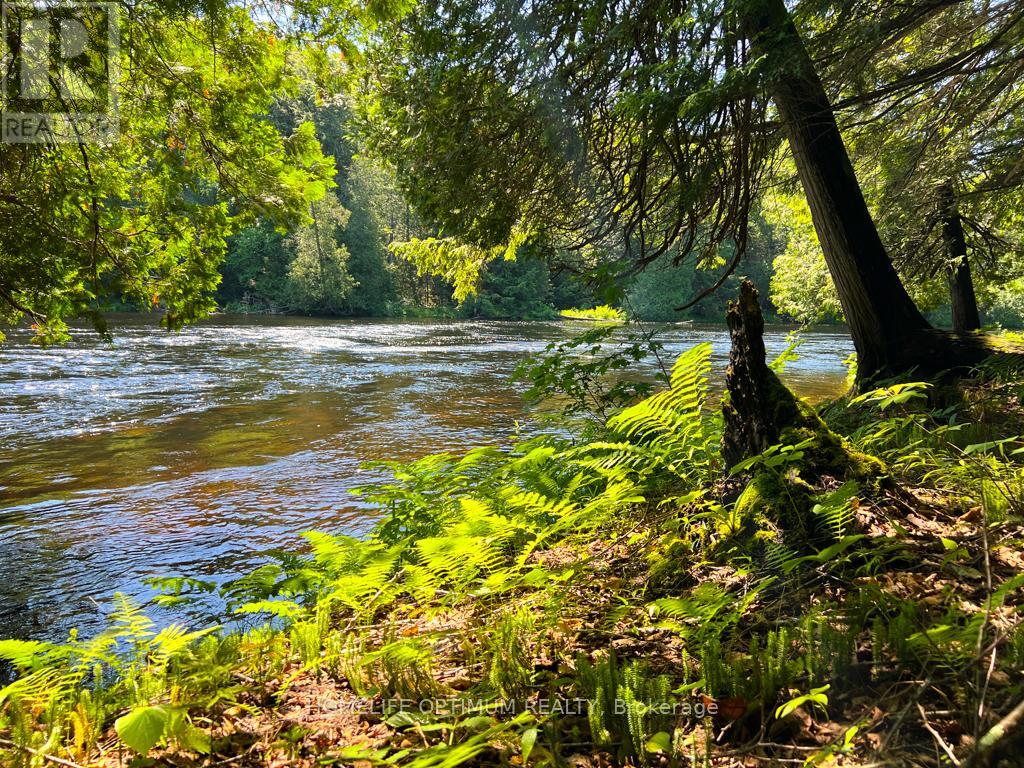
961 285
758 406
961 294
882 317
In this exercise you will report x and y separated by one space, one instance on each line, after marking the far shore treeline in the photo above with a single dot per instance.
266 271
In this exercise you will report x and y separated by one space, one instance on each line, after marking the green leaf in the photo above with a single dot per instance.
660 743
143 727
526 742
23 653
816 697
826 554
195 739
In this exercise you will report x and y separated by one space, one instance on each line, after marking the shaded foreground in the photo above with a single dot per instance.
620 598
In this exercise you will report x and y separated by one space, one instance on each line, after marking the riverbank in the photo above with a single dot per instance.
600 602
205 451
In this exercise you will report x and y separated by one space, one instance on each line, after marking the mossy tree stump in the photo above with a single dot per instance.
758 407
760 412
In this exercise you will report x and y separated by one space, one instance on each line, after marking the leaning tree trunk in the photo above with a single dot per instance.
961 285
882 317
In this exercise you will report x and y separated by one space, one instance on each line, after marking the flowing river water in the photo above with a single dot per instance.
201 452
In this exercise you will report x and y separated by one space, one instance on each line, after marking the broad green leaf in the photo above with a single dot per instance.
526 743
817 696
660 743
143 727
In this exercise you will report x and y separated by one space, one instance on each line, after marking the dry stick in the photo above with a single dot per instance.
903 714
935 734
37 753
1000 638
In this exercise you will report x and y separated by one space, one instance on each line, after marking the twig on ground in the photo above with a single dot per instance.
935 735
995 735
49 758
903 714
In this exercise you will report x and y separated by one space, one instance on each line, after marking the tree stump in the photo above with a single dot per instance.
757 406
778 503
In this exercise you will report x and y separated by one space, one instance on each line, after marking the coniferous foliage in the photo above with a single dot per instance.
657 570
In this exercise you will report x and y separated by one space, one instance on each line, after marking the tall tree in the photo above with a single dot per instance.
881 314
318 281
143 214
963 302
941 153
644 117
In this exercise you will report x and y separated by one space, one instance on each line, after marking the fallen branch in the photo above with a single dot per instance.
43 755
935 735
995 735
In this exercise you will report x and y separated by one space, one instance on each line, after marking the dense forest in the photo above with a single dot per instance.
668 561
362 276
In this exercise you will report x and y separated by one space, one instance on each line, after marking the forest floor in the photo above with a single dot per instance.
301 718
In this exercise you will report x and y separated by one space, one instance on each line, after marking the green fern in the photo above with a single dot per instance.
510 663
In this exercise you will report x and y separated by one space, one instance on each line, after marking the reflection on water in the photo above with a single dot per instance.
200 452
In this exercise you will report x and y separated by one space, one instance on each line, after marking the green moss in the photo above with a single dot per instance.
777 504
776 507
829 453
788 408
665 557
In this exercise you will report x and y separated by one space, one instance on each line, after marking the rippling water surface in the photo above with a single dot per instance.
201 452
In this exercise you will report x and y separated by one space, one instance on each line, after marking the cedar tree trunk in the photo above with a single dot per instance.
961 286
883 320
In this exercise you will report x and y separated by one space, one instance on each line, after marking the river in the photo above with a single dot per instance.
202 451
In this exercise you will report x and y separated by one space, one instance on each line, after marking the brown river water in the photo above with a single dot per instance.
201 452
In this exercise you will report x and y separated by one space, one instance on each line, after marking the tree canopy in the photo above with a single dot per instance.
605 136
143 215
647 127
